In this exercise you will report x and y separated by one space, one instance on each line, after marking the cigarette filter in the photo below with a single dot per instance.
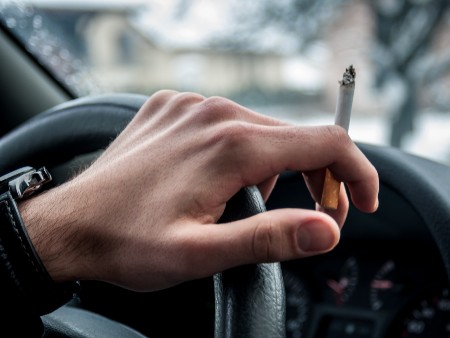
331 186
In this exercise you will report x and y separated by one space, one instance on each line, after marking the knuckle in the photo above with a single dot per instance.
267 242
218 102
338 136
161 97
231 136
162 94
220 108
210 111
186 99
165 101
156 101
237 131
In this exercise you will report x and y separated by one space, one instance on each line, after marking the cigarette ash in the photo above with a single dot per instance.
349 76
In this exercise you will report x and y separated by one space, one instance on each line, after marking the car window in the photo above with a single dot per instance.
280 57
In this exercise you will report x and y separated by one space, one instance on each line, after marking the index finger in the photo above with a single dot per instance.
269 150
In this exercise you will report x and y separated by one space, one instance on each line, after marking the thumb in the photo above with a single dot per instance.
272 236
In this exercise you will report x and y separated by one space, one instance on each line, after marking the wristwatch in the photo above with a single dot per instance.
19 262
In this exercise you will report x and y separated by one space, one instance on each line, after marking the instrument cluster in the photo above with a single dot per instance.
373 292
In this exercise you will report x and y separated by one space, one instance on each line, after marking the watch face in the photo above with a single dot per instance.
5 179
24 181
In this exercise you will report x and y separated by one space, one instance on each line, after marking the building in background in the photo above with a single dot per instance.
396 82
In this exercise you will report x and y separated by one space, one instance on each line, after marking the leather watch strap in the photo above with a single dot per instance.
22 265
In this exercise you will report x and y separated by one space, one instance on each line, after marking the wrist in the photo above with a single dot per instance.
50 225
23 275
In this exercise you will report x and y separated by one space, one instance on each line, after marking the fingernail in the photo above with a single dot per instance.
377 204
315 236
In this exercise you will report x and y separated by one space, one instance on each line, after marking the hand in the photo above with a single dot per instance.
143 215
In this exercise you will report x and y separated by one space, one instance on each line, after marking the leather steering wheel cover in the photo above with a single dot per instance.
77 127
89 124
424 184
250 300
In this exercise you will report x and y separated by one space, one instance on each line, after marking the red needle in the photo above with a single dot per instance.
382 284
335 286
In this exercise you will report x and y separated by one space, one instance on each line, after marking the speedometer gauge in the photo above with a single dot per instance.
428 317
385 287
343 286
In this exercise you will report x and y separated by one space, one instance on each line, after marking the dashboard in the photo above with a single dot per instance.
385 278
400 293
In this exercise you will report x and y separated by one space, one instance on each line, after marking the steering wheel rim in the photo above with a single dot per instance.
249 300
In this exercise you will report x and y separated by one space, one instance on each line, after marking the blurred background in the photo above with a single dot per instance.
283 58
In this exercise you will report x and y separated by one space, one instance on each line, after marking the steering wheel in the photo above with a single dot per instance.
249 300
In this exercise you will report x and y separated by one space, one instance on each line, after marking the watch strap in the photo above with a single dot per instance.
22 265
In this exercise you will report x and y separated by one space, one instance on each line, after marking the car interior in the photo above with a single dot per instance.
388 276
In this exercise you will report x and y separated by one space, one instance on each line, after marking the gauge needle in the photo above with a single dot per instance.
336 286
382 284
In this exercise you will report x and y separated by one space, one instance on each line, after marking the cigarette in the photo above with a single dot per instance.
331 186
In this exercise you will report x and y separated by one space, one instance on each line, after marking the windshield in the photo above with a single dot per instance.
283 58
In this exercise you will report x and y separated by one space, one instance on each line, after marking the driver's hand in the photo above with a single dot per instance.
144 215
